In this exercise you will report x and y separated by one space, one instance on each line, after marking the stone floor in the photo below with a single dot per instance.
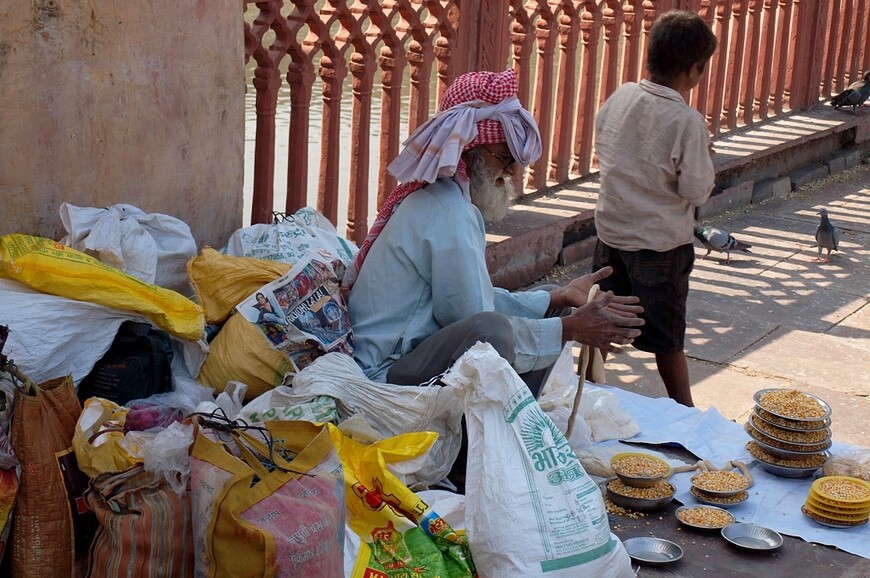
777 317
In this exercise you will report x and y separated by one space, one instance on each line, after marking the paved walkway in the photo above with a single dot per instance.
777 318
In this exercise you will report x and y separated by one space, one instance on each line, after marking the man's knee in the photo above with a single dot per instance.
495 329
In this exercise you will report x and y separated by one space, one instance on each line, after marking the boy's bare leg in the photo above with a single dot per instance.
588 375
674 371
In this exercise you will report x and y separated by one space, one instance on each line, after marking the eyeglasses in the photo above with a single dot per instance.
501 158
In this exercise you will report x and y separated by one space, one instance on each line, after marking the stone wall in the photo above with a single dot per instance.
114 101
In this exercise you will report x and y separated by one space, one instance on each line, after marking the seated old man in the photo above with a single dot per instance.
420 293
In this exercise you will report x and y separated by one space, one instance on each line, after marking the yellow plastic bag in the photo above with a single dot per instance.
239 352
98 452
56 269
399 532
252 520
222 281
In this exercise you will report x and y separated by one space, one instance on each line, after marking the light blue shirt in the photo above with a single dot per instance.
426 270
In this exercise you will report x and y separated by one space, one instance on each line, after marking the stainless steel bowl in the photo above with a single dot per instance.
789 472
713 500
825 440
825 406
791 425
639 504
699 527
652 551
779 452
752 537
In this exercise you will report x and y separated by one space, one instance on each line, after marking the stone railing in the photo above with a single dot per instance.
397 56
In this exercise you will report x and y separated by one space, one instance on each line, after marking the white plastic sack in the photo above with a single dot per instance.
281 404
149 246
390 409
557 398
531 509
600 417
290 240
51 336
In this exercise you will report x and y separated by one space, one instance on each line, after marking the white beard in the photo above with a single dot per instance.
491 191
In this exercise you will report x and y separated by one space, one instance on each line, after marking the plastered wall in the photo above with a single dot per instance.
113 101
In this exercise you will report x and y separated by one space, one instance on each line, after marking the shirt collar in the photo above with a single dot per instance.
661 90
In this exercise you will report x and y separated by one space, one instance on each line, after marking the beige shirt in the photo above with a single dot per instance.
655 168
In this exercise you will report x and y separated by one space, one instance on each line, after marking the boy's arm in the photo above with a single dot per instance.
695 173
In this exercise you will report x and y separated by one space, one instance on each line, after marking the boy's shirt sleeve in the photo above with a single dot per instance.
696 174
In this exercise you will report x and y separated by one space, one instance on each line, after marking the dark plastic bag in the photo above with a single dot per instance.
136 366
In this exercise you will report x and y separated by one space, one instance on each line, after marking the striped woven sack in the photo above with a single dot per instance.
144 527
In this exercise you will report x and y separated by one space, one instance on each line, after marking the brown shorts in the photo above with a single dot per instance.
661 281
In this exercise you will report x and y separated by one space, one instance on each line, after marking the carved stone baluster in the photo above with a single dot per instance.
718 67
768 38
747 100
543 109
846 35
566 92
362 70
266 81
736 48
612 22
420 59
633 18
700 99
522 46
392 64
300 77
590 20
332 72
779 67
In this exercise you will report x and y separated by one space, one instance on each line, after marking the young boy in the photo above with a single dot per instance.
655 169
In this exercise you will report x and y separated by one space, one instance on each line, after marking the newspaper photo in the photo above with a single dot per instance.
302 313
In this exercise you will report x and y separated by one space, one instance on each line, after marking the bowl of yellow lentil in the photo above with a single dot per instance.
704 517
639 470
792 404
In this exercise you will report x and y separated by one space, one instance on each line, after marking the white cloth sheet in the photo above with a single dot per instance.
774 502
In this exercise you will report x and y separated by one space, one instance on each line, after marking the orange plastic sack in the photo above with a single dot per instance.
52 528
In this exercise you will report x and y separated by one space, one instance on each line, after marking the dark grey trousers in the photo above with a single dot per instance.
440 350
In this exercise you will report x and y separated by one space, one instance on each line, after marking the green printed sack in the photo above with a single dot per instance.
531 509
400 535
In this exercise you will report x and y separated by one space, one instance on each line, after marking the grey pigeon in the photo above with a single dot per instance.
855 95
827 236
715 239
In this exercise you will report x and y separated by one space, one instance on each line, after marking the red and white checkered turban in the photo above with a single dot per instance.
478 108
486 86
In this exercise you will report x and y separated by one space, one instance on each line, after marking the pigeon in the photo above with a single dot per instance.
827 236
855 95
715 239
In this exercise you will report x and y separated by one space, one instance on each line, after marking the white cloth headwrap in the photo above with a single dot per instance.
434 149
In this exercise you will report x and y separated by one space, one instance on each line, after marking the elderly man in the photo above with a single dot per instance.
420 293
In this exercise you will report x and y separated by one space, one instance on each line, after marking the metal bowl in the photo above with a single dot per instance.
639 504
710 508
824 441
638 481
790 424
752 537
721 493
711 499
825 406
652 551
779 452
787 472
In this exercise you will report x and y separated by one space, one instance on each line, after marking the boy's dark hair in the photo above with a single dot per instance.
678 39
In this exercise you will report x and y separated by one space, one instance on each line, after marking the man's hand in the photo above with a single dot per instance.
602 323
574 294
